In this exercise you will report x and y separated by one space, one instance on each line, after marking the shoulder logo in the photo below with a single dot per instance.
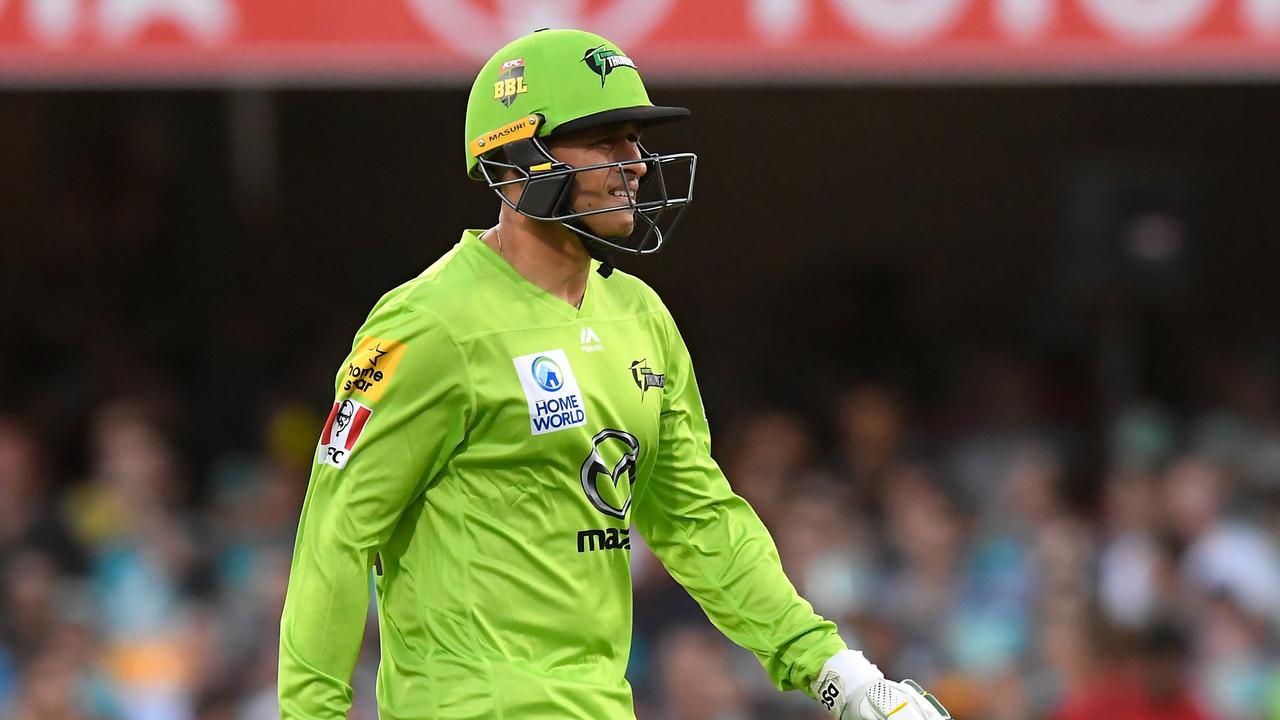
555 403
510 83
371 367
346 422
602 61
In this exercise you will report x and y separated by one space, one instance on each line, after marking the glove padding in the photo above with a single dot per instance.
904 700
854 689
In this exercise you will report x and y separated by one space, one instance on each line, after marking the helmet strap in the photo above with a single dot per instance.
596 250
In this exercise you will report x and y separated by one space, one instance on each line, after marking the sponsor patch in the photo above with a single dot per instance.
604 539
521 129
510 83
608 481
602 61
555 402
341 431
371 368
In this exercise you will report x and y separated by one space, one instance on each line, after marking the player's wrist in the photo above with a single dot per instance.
850 687
844 678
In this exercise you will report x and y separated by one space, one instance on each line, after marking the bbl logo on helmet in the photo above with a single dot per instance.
602 61
510 83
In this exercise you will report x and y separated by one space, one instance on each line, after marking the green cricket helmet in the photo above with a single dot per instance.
554 82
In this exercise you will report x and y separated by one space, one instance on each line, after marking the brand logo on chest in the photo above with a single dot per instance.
555 403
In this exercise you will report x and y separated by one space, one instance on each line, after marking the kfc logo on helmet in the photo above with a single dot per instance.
341 431
491 25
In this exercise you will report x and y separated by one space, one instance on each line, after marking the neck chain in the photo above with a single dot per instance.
498 234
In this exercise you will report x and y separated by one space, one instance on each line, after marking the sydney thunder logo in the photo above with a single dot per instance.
602 61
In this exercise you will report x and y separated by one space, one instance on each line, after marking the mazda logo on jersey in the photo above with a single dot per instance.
602 476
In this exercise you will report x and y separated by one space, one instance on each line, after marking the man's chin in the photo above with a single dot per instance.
616 230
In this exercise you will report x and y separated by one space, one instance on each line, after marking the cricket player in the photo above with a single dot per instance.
506 420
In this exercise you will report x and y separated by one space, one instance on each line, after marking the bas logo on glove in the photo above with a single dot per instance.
829 694
852 688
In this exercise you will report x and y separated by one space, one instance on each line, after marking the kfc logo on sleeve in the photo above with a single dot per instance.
341 431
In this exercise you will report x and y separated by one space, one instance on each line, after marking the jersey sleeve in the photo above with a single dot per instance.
715 545
403 401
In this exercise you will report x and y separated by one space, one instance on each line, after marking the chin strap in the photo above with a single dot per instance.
595 249
599 253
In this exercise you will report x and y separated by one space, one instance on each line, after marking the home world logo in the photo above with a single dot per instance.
551 390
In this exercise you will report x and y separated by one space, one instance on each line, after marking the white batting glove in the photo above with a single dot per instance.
854 689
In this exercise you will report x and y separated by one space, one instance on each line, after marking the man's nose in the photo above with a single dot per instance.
632 159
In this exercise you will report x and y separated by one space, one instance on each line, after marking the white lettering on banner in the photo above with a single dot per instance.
53 21
914 21
1094 37
539 13
1026 20
56 22
206 20
901 22
472 29
1263 16
778 20
1147 21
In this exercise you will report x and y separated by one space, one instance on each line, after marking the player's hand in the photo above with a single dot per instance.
854 689
904 700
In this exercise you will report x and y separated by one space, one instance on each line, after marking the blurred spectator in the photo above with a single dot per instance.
1138 565
1142 679
828 553
1222 554
697 683
770 452
28 513
871 427
144 556
1232 659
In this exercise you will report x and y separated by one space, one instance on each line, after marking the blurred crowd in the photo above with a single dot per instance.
979 547
980 552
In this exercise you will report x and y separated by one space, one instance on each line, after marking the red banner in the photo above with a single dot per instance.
446 40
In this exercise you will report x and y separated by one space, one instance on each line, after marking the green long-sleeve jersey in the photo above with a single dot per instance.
488 450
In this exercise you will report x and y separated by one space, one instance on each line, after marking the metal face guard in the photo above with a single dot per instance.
546 189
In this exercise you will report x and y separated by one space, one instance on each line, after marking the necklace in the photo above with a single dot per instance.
498 234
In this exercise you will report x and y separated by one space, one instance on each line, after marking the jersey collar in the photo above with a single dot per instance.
471 242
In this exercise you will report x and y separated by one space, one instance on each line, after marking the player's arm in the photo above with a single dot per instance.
714 544
403 403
